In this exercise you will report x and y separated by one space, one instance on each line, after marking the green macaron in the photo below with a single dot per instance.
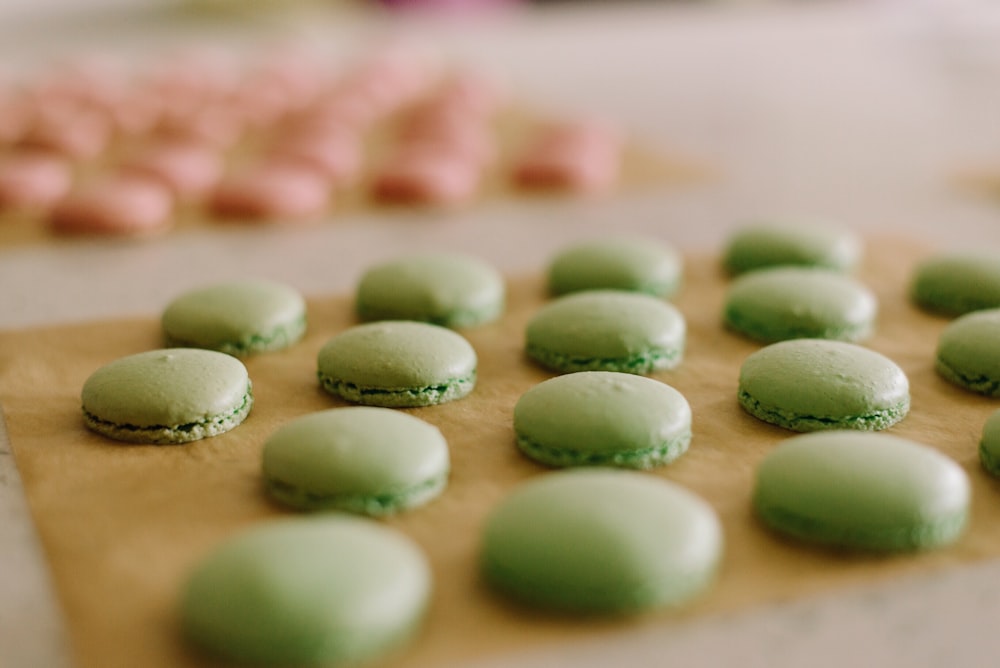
862 491
446 289
956 283
968 354
606 330
602 418
600 541
769 245
239 317
175 395
815 384
333 589
989 444
397 364
783 303
636 265
374 461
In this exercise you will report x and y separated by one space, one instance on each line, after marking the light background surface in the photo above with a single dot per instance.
866 114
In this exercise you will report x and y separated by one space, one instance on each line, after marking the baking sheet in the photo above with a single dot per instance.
123 525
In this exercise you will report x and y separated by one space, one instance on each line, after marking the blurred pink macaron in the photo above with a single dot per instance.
422 174
271 191
116 205
190 170
33 180
338 156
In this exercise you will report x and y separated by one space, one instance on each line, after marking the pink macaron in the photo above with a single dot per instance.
33 180
271 191
427 176
116 205
189 170
576 156
336 155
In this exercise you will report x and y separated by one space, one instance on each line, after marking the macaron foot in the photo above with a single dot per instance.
399 398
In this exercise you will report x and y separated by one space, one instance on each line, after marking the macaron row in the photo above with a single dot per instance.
90 149
908 496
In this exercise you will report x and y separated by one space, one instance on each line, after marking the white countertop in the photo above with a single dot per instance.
861 113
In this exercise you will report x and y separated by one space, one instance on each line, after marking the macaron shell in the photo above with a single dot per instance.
236 317
967 352
957 283
607 330
600 541
322 590
813 384
602 418
777 304
362 459
618 264
123 205
759 246
989 444
174 395
869 491
442 288
398 363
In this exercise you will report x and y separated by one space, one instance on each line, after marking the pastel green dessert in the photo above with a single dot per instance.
175 395
959 283
239 318
373 461
397 364
600 541
607 330
968 352
636 265
327 590
442 288
602 418
783 303
862 491
759 246
814 384
989 444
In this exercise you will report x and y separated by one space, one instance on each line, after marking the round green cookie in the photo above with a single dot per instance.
397 364
760 246
239 318
441 288
783 303
989 445
636 265
957 283
814 384
373 461
174 395
602 418
601 541
968 352
607 330
331 589
862 491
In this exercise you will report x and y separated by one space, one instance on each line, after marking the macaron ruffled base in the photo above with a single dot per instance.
451 390
646 362
876 420
919 536
375 505
212 425
279 338
644 458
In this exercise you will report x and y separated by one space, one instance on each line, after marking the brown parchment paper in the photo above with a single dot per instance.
123 525
642 169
